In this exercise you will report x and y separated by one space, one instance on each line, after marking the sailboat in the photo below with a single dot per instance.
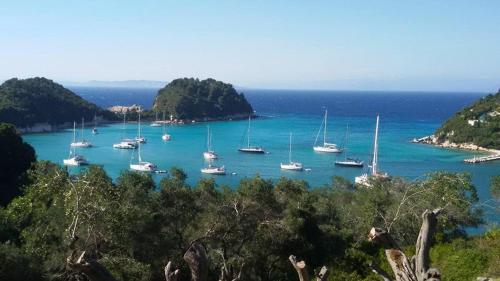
165 136
94 130
326 147
248 148
209 154
74 159
142 166
139 138
125 143
214 170
81 143
293 166
156 123
364 179
348 162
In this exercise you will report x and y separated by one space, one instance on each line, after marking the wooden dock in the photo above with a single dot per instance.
482 159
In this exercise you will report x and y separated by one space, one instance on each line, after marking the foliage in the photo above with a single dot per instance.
24 102
17 157
495 187
133 226
189 98
485 132
465 259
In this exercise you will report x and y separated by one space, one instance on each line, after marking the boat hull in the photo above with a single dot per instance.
75 162
143 167
81 144
327 149
165 137
252 150
210 155
214 171
349 164
291 166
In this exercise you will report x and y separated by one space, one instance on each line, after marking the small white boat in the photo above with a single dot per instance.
214 170
126 144
74 159
366 179
139 138
94 130
292 166
348 162
142 166
156 123
165 136
248 148
326 147
81 143
209 154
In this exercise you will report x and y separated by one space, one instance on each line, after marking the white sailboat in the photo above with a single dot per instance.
348 162
165 136
156 123
248 148
293 166
81 143
142 166
139 138
209 154
125 143
364 179
94 130
326 147
74 159
214 170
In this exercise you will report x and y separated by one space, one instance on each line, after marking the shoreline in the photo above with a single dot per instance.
41 128
432 140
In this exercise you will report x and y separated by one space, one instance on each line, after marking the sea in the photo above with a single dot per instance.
403 116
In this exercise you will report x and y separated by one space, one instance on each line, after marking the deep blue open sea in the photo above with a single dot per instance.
403 116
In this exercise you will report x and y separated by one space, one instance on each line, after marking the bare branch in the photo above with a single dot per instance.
196 258
90 268
379 271
169 275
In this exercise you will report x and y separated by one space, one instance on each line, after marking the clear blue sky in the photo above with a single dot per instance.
411 45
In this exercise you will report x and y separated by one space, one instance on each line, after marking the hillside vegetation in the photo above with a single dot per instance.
24 102
478 124
189 98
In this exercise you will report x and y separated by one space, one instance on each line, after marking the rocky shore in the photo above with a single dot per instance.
433 140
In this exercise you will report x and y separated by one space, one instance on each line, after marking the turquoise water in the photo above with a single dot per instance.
397 155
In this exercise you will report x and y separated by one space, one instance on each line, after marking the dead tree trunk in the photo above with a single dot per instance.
90 268
416 269
301 268
169 274
197 260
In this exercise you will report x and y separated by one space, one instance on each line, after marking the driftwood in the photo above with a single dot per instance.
90 268
416 268
301 268
196 258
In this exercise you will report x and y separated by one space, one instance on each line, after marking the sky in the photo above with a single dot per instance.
339 45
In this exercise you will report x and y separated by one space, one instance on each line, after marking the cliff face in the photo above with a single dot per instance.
39 104
189 98
475 125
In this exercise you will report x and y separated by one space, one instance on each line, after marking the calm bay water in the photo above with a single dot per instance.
403 116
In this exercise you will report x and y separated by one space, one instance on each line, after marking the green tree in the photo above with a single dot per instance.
17 157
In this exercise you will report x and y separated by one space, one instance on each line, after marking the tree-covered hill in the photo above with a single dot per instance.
24 102
189 98
478 124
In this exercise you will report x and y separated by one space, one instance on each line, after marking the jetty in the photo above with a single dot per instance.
482 159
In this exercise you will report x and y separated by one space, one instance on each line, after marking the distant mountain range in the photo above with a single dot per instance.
117 84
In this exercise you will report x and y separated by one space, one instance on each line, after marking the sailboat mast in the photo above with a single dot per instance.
346 141
208 138
375 149
83 120
164 122
290 149
248 132
139 129
324 132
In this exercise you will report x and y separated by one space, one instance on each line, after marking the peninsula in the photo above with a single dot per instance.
39 104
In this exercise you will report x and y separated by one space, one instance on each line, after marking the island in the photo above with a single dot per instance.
192 99
39 104
476 127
